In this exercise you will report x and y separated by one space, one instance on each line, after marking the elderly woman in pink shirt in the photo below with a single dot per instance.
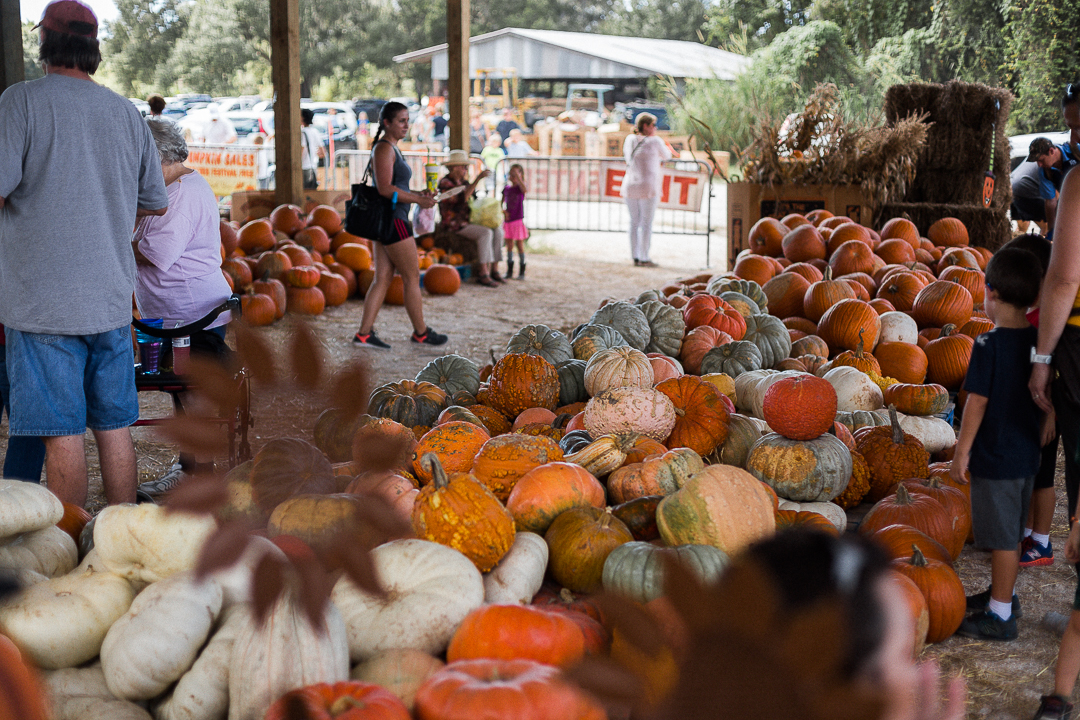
178 255
645 153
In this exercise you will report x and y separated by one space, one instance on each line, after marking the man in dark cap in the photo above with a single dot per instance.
78 165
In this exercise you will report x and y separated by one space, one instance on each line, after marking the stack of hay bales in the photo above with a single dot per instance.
966 121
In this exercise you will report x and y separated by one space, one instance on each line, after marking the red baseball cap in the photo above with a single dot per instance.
71 17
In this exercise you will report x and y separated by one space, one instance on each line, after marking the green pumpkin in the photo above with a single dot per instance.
740 302
815 470
409 403
732 359
572 381
541 340
334 430
628 320
648 295
743 432
636 569
862 418
666 326
452 373
771 337
749 288
591 339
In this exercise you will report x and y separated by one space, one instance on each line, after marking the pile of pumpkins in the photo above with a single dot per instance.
302 264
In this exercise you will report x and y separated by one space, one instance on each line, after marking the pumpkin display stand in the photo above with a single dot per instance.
452 243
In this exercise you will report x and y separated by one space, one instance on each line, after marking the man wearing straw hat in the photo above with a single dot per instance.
455 217
77 166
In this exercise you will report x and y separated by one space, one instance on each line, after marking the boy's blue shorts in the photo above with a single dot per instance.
64 384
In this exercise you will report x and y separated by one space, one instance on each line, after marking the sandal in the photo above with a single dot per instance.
486 282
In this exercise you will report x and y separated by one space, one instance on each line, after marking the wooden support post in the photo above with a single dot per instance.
285 69
11 49
457 50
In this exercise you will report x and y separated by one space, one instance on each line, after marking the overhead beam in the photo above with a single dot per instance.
285 70
11 49
457 40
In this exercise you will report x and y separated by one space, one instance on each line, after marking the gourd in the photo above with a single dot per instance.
452 373
934 433
146 544
666 327
158 638
49 551
830 510
62 622
624 410
285 652
636 569
540 340
202 693
430 589
854 389
25 507
402 672
605 454
518 576
815 470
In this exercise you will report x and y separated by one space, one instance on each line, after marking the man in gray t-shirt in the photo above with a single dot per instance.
77 166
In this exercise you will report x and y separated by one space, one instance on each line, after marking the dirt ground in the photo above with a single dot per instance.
568 275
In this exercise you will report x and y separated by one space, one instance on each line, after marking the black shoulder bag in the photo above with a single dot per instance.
369 214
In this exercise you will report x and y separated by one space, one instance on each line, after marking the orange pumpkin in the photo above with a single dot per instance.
504 459
702 416
74 520
288 219
754 267
520 381
711 310
305 301
511 632
766 237
859 359
851 257
918 510
276 290
942 589
353 255
942 303
256 236
801 407
901 228
257 309
948 232
785 293
902 361
957 507
915 399
455 443
803 242
898 540
697 343
901 289
847 321
442 280
304 276
973 281
548 490
22 694
947 358
334 288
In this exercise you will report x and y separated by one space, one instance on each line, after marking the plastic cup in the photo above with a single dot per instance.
149 348
431 176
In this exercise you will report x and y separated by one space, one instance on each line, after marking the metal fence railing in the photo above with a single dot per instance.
580 193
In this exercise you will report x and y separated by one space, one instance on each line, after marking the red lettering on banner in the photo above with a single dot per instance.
684 187
666 192
613 182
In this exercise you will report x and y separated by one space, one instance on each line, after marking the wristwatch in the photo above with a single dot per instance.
1041 359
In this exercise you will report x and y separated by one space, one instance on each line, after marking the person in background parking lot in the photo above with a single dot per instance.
157 105
78 165
218 130
311 149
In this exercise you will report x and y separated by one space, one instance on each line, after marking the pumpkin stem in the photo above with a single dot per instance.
859 347
917 557
897 431
947 330
566 596
344 704
606 518
430 462
828 273
903 495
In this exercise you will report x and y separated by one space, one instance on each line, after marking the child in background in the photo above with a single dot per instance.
514 229
491 155
1000 438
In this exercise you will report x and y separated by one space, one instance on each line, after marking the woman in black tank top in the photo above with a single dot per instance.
392 175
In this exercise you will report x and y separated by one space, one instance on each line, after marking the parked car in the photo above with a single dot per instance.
248 122
343 122
235 104
141 105
371 106
1018 145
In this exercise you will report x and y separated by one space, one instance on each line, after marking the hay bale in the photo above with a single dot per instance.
966 117
957 188
451 242
987 227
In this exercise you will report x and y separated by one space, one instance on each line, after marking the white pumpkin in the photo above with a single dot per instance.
744 385
283 653
143 542
854 389
62 622
934 433
82 694
235 580
86 681
402 672
897 326
431 588
94 708
24 577
49 551
832 512
624 410
618 367
518 576
158 638
203 691
27 506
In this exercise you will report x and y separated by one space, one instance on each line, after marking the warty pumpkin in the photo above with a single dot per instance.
625 410
660 475
519 382
892 455
504 459
455 444
579 541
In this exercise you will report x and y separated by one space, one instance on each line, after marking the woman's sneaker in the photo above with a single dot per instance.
1054 707
429 337
370 340
1035 555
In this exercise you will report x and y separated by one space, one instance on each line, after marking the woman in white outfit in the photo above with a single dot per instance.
645 153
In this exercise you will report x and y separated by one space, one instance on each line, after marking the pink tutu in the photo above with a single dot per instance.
515 230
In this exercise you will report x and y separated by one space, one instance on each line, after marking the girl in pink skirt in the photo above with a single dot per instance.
514 229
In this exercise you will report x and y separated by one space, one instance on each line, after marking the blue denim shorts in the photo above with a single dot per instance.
64 384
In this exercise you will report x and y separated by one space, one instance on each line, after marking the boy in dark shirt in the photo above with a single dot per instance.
1000 438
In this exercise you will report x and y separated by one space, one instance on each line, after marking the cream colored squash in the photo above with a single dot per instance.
62 622
93 708
934 433
235 580
86 681
24 577
897 326
625 410
82 694
518 576
854 389
49 551
832 512
203 691
284 653
402 672
158 638
431 588
744 387
26 506
143 542
617 367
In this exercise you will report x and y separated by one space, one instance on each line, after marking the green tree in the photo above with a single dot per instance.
761 20
31 67
866 22
140 40
665 19
1043 44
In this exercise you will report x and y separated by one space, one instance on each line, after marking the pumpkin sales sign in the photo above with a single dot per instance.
228 168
